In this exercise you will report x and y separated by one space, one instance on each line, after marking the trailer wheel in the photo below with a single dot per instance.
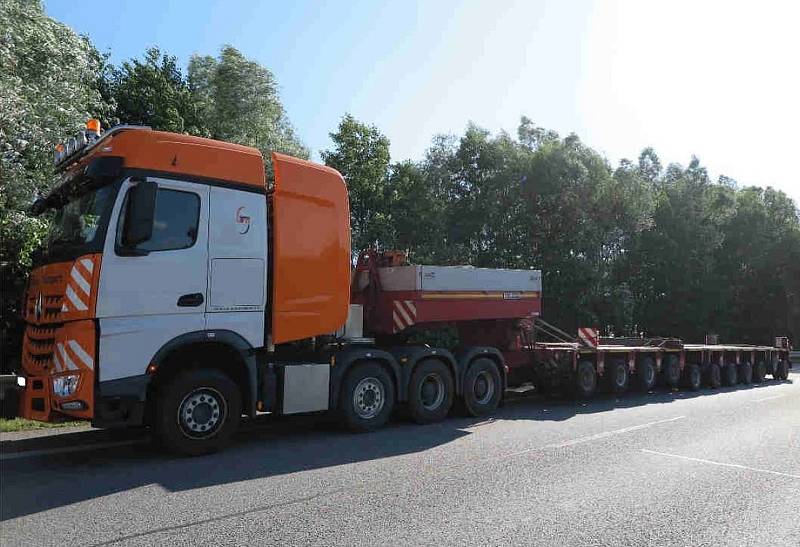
759 372
746 373
781 370
585 381
430 392
693 377
367 397
646 374
617 376
714 376
729 375
671 371
482 388
197 412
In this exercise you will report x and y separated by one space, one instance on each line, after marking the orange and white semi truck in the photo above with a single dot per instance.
177 290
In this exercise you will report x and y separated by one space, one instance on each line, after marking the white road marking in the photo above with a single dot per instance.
67 449
606 434
595 437
722 464
769 398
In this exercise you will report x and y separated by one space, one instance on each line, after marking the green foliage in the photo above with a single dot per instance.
48 87
361 155
154 92
238 100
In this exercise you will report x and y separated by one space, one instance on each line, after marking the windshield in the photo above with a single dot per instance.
79 226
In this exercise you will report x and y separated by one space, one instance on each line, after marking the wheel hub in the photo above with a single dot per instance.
432 392
483 388
202 412
368 398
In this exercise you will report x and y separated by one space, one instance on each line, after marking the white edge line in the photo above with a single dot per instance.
770 398
722 464
590 438
67 449
605 434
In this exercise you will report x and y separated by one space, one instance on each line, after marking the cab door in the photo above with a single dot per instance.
156 291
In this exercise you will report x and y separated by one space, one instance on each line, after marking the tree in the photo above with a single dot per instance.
154 92
238 101
361 155
49 79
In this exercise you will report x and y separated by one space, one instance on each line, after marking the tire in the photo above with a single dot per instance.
482 388
671 371
197 412
430 391
781 370
617 377
714 376
759 372
730 375
646 375
746 373
693 377
366 398
584 383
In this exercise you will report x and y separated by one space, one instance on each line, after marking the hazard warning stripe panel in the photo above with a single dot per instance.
404 314
589 336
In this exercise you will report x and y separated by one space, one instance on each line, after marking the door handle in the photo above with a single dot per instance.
190 300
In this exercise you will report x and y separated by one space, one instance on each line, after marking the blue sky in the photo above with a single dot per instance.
718 79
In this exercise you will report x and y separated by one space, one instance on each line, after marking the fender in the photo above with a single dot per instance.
409 356
347 357
469 354
225 338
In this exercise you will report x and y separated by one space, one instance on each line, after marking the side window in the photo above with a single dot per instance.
175 221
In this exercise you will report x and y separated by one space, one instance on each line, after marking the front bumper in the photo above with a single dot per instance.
54 351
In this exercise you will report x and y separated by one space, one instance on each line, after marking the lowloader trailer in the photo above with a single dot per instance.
180 291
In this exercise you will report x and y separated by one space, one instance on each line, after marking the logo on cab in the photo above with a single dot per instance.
242 220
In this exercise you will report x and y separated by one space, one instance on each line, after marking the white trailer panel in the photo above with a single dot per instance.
459 278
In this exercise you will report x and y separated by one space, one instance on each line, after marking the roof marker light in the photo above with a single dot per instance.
93 125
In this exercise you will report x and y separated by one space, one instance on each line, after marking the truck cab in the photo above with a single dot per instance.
160 246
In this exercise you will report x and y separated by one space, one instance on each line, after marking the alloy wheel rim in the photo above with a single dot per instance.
202 413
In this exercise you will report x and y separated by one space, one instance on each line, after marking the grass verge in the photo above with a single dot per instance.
21 424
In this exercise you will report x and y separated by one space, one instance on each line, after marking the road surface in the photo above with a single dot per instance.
660 469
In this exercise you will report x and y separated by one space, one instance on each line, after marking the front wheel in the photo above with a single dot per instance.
366 399
430 392
198 412
483 387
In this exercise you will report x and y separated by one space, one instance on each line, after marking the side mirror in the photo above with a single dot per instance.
140 213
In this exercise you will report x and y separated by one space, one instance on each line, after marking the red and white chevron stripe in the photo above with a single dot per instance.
67 356
404 314
79 288
589 336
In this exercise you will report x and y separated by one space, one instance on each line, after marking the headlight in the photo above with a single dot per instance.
64 386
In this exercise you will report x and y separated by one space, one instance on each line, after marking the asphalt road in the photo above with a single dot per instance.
713 468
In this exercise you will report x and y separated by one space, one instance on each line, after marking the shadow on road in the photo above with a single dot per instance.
265 447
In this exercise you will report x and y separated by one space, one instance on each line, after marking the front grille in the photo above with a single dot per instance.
39 346
51 307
